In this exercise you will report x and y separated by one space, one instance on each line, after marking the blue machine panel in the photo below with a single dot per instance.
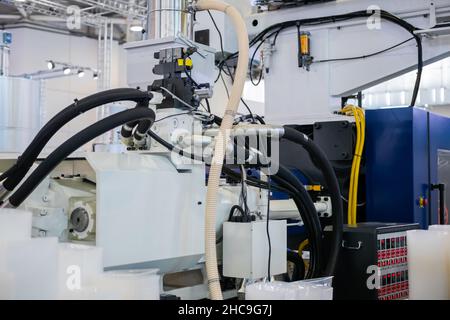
397 165
439 161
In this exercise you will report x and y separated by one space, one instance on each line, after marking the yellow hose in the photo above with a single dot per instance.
358 113
301 247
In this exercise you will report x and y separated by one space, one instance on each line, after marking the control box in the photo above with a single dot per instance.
373 263
246 249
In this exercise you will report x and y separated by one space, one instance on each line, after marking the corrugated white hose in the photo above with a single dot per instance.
222 139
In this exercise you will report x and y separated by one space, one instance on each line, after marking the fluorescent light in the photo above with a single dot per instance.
136 28
81 73
67 71
50 65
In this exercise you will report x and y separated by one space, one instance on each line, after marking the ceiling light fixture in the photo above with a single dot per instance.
50 65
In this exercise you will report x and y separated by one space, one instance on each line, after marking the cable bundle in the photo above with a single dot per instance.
360 122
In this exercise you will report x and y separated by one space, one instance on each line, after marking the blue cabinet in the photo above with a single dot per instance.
406 153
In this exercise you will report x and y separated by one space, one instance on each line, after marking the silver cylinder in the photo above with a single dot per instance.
167 19
4 60
20 113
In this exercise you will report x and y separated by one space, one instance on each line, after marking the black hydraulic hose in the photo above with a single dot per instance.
320 160
29 156
305 214
6 174
141 129
316 235
127 129
73 144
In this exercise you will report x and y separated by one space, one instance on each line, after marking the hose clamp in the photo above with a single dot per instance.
213 280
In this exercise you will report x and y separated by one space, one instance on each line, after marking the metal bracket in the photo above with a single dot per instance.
433 19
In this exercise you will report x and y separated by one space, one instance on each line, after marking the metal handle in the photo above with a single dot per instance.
441 188
352 248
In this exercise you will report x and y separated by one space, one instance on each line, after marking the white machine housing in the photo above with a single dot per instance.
149 214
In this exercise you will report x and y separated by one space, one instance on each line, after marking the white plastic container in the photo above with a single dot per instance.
439 227
79 267
428 265
15 225
129 285
445 228
6 285
33 265
313 289
275 290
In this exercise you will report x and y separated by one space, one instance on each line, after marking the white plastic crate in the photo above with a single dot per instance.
313 289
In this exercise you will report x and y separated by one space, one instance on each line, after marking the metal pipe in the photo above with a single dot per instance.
4 60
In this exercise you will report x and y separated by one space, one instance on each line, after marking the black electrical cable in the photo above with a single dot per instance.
73 144
208 107
365 56
310 209
320 160
29 156
344 17
269 262
223 57
172 115
189 75
276 33
251 67
244 192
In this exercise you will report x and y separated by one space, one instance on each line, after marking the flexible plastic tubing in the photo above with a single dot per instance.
212 271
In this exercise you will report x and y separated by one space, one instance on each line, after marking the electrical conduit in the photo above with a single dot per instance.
222 140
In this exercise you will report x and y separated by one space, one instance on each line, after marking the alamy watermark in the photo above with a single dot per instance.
257 147
73 280
374 20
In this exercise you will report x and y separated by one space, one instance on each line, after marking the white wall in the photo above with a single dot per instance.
30 50
434 88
